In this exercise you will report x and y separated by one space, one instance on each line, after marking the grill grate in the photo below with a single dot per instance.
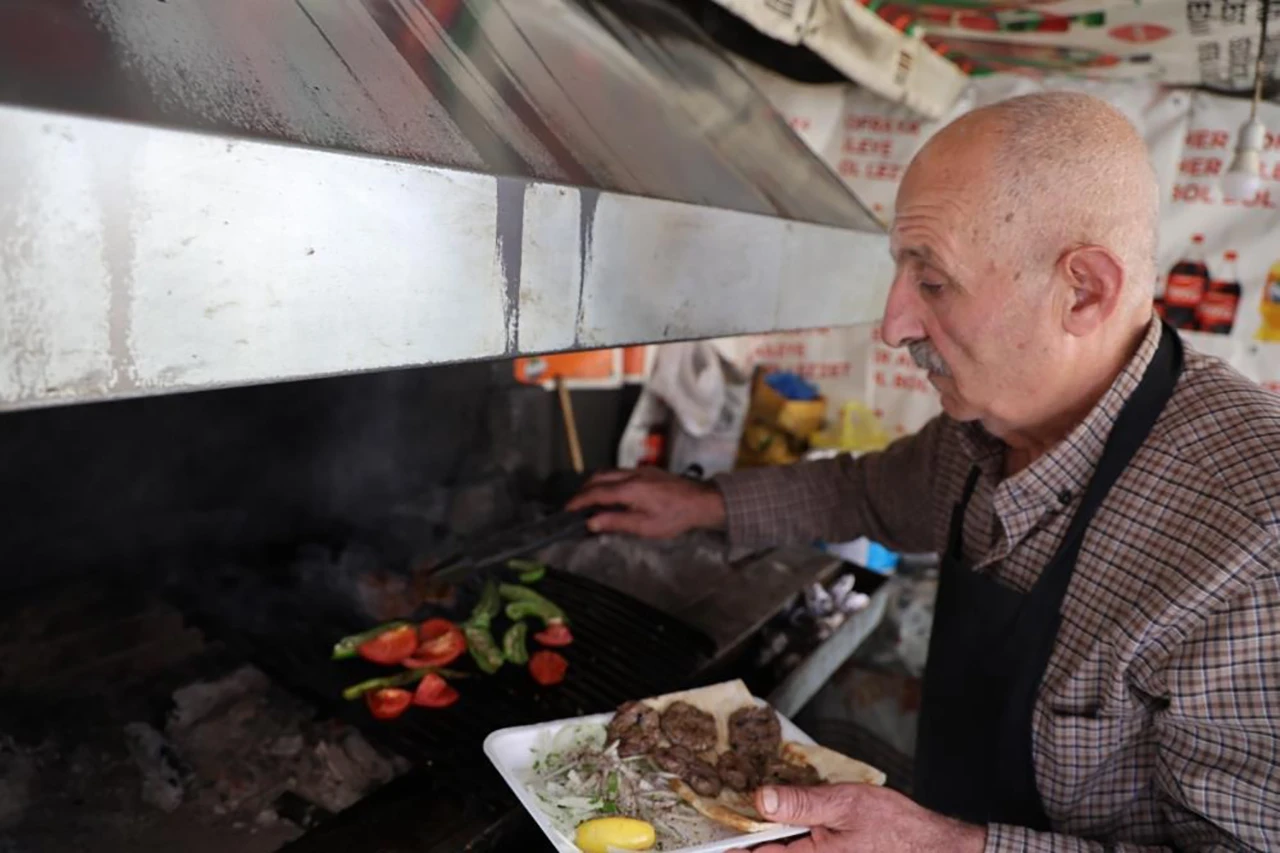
622 649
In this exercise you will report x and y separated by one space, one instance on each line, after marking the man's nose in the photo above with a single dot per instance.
902 323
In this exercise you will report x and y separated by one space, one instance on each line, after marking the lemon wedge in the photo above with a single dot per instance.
601 834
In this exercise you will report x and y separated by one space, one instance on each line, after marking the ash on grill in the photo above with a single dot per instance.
195 753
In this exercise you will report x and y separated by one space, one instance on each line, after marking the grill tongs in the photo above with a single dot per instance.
514 542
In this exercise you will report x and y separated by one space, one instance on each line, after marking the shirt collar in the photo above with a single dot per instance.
1057 479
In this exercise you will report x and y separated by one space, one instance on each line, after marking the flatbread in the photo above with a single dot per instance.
835 768
737 810
730 808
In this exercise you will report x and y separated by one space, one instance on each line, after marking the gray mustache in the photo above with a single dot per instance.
927 358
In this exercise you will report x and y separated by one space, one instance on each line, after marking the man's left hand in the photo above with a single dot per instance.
858 818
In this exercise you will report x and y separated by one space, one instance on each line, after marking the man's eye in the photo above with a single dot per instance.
931 288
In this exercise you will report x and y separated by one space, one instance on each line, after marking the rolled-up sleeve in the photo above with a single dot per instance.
885 496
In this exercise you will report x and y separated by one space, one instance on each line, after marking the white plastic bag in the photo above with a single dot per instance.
703 388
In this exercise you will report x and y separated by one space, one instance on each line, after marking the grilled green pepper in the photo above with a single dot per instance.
526 602
476 629
513 646
487 608
531 571
348 647
409 676
482 647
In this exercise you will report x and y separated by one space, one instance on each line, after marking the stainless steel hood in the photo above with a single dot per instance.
197 193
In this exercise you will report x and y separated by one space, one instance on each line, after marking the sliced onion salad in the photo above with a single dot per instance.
576 777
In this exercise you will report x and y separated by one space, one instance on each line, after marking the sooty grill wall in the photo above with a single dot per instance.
104 506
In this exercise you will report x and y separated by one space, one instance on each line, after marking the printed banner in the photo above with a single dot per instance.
1210 43
1219 259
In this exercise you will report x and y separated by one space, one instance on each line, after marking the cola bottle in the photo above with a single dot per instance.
1216 312
1185 287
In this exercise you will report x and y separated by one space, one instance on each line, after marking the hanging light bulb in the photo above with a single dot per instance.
1243 177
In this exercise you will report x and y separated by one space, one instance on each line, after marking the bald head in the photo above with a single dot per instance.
1025 238
1054 170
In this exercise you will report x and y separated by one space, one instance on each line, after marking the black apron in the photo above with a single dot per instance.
991 644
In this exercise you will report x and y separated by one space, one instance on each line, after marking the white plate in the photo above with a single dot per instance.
511 751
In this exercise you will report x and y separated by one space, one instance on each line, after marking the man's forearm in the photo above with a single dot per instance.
887 496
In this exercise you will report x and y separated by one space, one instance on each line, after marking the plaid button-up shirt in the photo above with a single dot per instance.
1157 724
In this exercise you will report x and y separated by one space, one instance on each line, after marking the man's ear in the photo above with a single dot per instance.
1096 280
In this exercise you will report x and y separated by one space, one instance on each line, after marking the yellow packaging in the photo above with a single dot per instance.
777 430
1269 308
859 431
800 418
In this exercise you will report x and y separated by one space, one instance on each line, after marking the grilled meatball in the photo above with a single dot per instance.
672 759
702 778
698 774
635 727
685 725
755 732
736 772
779 772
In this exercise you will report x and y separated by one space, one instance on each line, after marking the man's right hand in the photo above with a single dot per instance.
652 503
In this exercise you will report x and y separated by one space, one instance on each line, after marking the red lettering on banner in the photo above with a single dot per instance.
875 124
910 383
1199 167
780 350
883 171
880 380
1192 194
1272 143
801 123
865 145
818 370
1208 140
883 357
1262 200
875 336
848 168
880 124
903 359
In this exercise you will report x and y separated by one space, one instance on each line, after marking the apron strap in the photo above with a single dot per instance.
955 533
1134 423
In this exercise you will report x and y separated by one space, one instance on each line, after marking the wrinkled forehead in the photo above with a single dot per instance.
950 199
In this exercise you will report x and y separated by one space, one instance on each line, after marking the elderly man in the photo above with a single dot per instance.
1104 670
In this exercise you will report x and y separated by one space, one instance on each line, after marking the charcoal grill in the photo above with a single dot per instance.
622 649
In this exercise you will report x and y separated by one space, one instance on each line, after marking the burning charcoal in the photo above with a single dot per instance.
195 702
17 772
287 746
366 757
158 764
